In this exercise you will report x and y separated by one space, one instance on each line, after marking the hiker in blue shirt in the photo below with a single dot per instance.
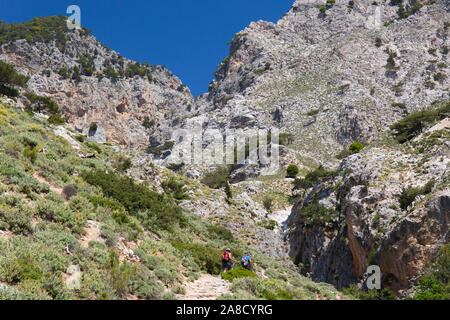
247 262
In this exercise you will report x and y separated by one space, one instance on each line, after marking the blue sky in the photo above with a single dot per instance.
188 37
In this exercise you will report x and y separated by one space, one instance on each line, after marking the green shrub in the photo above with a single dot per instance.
313 177
41 103
148 124
175 188
315 214
168 145
93 127
119 274
356 147
384 294
176 167
435 285
220 232
10 293
409 194
431 289
217 178
19 266
38 30
124 164
152 209
105 203
33 289
9 78
239 272
262 289
439 77
145 285
286 139
267 203
178 290
378 42
228 191
292 170
401 106
80 138
16 219
30 153
391 60
269 224
135 69
413 124
56 119
207 258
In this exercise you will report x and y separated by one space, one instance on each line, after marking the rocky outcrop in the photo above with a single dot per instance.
374 228
130 102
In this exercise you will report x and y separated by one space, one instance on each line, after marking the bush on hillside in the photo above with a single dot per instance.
356 147
38 30
206 257
217 178
313 177
384 294
175 188
41 103
159 212
316 214
292 170
435 284
413 124
409 194
10 79
217 231
56 119
236 273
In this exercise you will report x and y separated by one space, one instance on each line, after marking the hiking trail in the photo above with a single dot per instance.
207 287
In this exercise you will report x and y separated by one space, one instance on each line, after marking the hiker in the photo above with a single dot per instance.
247 262
226 260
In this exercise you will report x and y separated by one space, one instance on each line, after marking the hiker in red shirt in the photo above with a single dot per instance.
226 260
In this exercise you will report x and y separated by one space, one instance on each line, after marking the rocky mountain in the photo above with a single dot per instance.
131 103
335 77
328 74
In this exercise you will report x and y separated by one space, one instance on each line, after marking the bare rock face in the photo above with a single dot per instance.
92 84
374 227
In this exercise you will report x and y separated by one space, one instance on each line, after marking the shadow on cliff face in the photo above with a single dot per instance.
342 255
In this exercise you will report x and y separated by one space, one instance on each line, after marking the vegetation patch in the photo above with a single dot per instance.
152 209
217 179
413 124
208 258
236 273
409 194
313 177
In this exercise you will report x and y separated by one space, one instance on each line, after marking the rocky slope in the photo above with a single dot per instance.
327 74
326 78
132 104
374 224
66 236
